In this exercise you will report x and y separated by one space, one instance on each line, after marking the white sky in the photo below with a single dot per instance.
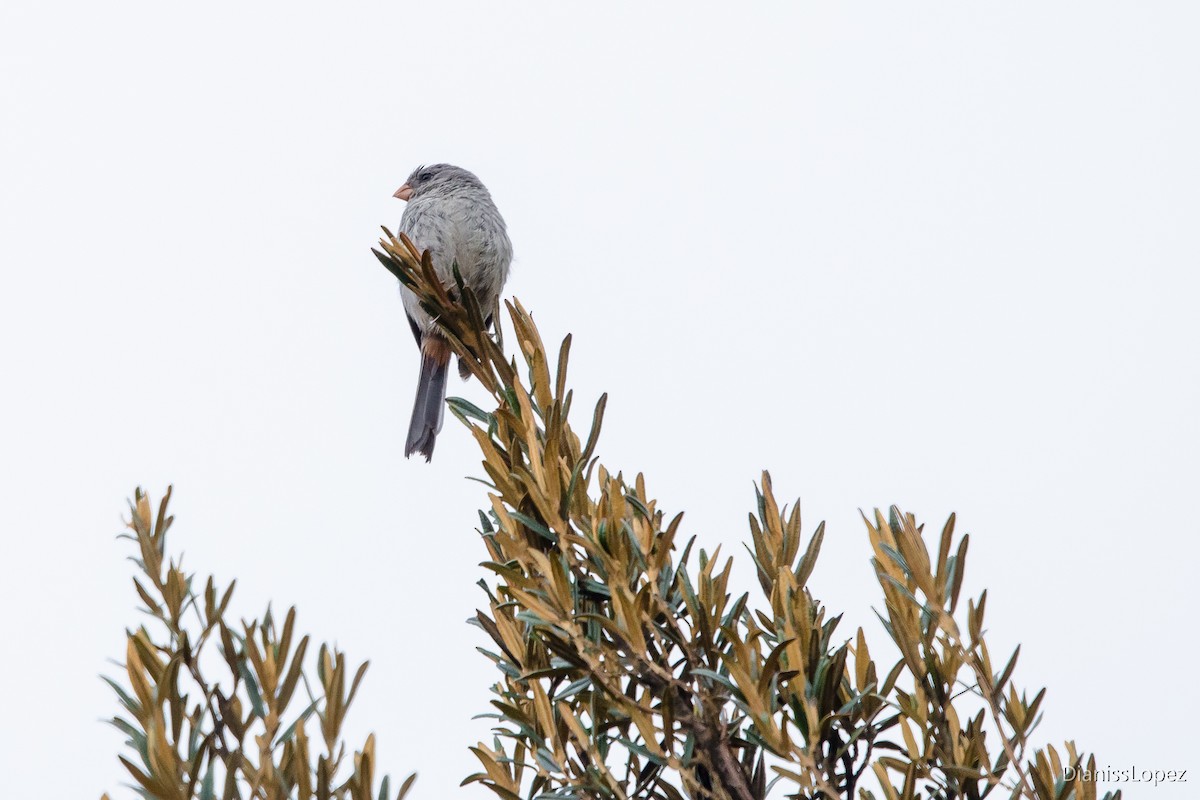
941 256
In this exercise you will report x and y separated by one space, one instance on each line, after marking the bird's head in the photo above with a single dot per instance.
434 178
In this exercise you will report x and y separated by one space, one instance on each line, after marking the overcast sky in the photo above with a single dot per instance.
943 256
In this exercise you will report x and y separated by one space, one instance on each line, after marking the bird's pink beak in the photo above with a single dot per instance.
404 192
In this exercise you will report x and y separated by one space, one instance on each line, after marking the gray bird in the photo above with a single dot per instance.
451 214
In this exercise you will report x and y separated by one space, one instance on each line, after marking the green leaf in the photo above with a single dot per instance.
533 525
468 410
304 715
718 677
252 689
207 790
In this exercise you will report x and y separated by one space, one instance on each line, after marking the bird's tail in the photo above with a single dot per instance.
431 397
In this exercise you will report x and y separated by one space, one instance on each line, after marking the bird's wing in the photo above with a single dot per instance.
416 329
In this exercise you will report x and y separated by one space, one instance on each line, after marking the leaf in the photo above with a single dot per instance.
404 787
718 677
809 560
469 410
252 689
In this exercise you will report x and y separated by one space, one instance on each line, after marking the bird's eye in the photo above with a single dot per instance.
424 176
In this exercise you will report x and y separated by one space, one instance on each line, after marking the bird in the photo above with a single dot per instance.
450 213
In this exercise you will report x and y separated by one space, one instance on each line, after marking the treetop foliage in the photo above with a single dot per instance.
628 667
